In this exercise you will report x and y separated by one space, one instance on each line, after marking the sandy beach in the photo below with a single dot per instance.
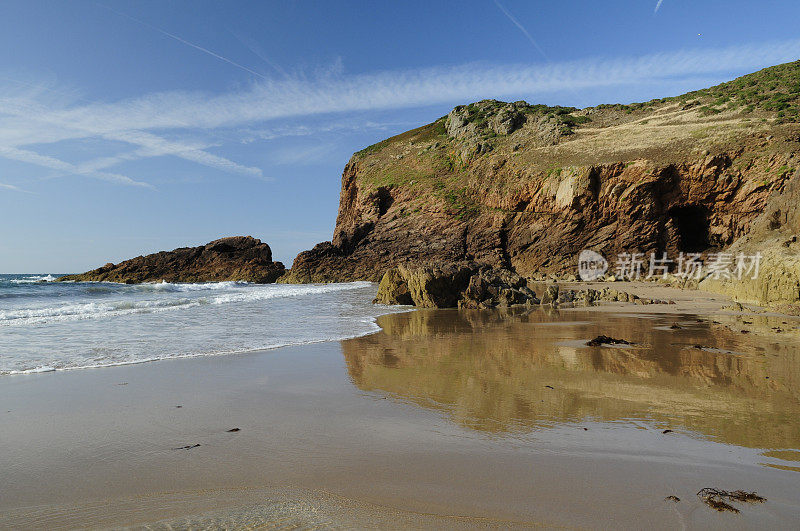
446 418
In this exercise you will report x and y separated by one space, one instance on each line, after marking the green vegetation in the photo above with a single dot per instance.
373 148
555 171
775 89
392 176
479 114
420 134
460 202
707 110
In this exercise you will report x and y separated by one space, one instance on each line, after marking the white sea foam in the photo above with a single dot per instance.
266 346
34 370
180 287
33 279
90 310
54 326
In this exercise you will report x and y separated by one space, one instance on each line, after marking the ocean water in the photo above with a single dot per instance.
49 326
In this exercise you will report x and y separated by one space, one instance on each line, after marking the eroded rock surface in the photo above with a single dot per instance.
451 285
242 258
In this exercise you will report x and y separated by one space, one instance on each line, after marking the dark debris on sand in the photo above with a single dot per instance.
718 499
188 447
606 340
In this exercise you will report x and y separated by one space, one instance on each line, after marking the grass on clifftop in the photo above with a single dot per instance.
774 89
420 134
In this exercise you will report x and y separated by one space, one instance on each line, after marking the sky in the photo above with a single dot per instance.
130 127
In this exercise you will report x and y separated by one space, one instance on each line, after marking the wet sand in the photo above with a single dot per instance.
444 419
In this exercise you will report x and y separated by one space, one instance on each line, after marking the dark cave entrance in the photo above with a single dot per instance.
691 223
384 200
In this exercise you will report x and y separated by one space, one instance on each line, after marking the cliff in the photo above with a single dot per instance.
527 187
236 258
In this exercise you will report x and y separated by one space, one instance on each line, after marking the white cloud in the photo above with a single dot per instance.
302 155
57 164
143 122
249 135
13 188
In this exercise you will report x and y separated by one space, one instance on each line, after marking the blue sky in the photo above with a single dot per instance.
132 127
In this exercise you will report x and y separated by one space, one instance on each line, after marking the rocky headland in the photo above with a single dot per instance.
525 188
242 258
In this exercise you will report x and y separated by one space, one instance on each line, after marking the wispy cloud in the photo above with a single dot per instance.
302 155
273 99
31 122
13 188
249 135
658 6
31 157
169 123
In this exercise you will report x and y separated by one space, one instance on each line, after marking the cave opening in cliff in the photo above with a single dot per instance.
691 222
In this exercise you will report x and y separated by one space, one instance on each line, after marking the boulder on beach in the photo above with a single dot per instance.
448 285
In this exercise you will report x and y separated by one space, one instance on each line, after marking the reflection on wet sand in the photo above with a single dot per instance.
524 370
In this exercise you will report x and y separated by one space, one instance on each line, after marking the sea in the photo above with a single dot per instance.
47 325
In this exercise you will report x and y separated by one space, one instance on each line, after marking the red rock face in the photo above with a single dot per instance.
612 208
241 258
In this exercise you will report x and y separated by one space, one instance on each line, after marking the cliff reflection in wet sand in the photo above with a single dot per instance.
520 371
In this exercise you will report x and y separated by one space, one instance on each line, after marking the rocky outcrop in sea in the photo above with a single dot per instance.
241 258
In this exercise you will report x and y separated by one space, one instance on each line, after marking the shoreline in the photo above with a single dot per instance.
44 370
686 301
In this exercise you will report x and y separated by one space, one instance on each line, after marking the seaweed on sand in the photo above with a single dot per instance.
716 498
606 340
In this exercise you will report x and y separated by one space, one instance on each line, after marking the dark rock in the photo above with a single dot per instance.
241 258
393 289
550 294
606 340
438 285
463 285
